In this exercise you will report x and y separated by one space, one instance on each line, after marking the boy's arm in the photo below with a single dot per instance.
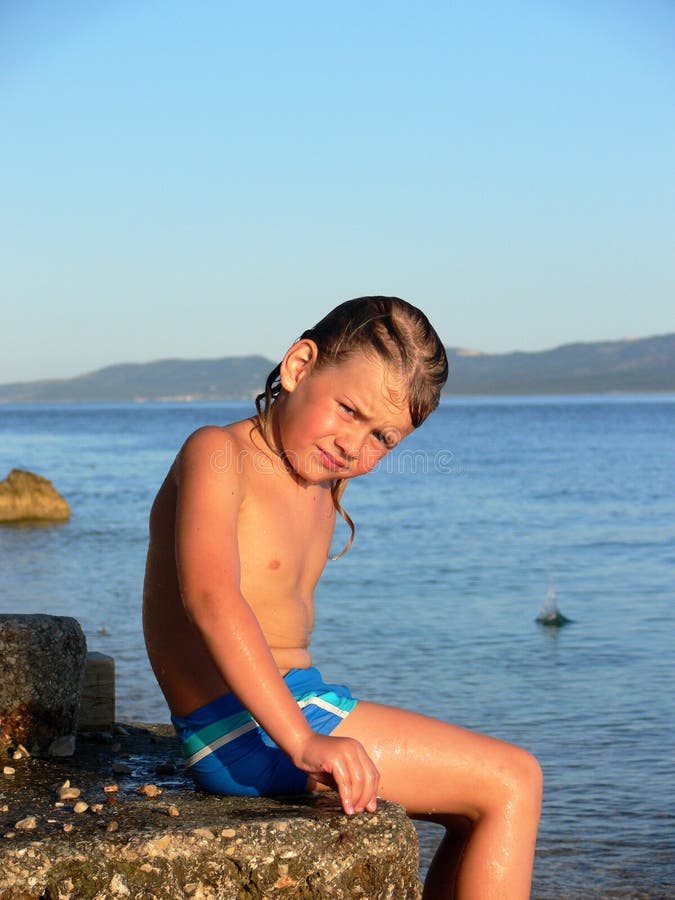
207 555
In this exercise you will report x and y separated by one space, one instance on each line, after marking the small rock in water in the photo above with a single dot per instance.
549 615
80 807
27 824
173 811
121 768
8 770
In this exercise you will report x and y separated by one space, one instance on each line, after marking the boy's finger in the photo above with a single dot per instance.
343 784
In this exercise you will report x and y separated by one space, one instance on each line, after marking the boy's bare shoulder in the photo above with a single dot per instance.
210 437
218 446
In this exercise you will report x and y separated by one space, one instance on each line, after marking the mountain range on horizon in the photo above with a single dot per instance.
629 365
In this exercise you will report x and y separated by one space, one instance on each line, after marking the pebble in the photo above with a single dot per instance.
204 833
110 788
68 827
96 807
150 790
173 811
4 808
8 770
66 792
27 824
112 826
80 807
9 835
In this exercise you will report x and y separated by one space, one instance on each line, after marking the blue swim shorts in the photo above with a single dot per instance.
227 752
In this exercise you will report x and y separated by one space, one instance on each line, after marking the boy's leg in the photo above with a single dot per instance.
439 771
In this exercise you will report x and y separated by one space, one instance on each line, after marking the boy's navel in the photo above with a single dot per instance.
274 564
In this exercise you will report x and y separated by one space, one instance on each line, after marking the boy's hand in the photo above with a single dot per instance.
342 764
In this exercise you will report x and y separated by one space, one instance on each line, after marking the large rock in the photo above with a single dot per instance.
25 497
181 843
41 669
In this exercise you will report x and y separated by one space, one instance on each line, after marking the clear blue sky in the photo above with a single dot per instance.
203 179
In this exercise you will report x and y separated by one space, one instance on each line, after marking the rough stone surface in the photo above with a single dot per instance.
26 497
97 707
128 844
41 668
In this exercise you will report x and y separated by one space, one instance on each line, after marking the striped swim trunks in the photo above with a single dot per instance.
227 752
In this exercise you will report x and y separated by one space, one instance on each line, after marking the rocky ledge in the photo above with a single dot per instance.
121 818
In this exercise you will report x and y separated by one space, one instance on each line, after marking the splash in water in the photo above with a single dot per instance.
549 614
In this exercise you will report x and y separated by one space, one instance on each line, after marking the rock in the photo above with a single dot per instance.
150 790
68 792
97 709
41 669
62 746
219 848
26 497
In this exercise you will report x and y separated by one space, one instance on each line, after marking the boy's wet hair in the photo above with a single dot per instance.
393 330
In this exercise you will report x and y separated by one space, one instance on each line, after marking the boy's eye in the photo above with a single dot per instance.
387 440
347 409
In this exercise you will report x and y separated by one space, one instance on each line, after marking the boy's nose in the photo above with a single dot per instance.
349 446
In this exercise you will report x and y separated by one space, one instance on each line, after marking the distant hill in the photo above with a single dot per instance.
231 378
645 364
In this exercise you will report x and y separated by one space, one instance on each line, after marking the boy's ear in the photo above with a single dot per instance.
298 362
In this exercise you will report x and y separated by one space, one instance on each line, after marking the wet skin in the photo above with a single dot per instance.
240 532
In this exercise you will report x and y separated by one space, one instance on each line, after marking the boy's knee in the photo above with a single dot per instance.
529 778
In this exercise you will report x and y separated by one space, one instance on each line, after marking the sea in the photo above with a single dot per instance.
495 512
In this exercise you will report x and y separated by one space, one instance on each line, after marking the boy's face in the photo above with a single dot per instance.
340 421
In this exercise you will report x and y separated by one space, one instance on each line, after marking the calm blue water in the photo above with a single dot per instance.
460 535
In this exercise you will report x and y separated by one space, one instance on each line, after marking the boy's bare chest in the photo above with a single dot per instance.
285 534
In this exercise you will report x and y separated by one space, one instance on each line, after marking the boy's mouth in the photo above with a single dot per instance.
331 462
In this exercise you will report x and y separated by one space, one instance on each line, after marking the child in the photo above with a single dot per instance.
240 532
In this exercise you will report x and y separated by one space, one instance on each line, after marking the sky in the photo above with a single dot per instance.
204 178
